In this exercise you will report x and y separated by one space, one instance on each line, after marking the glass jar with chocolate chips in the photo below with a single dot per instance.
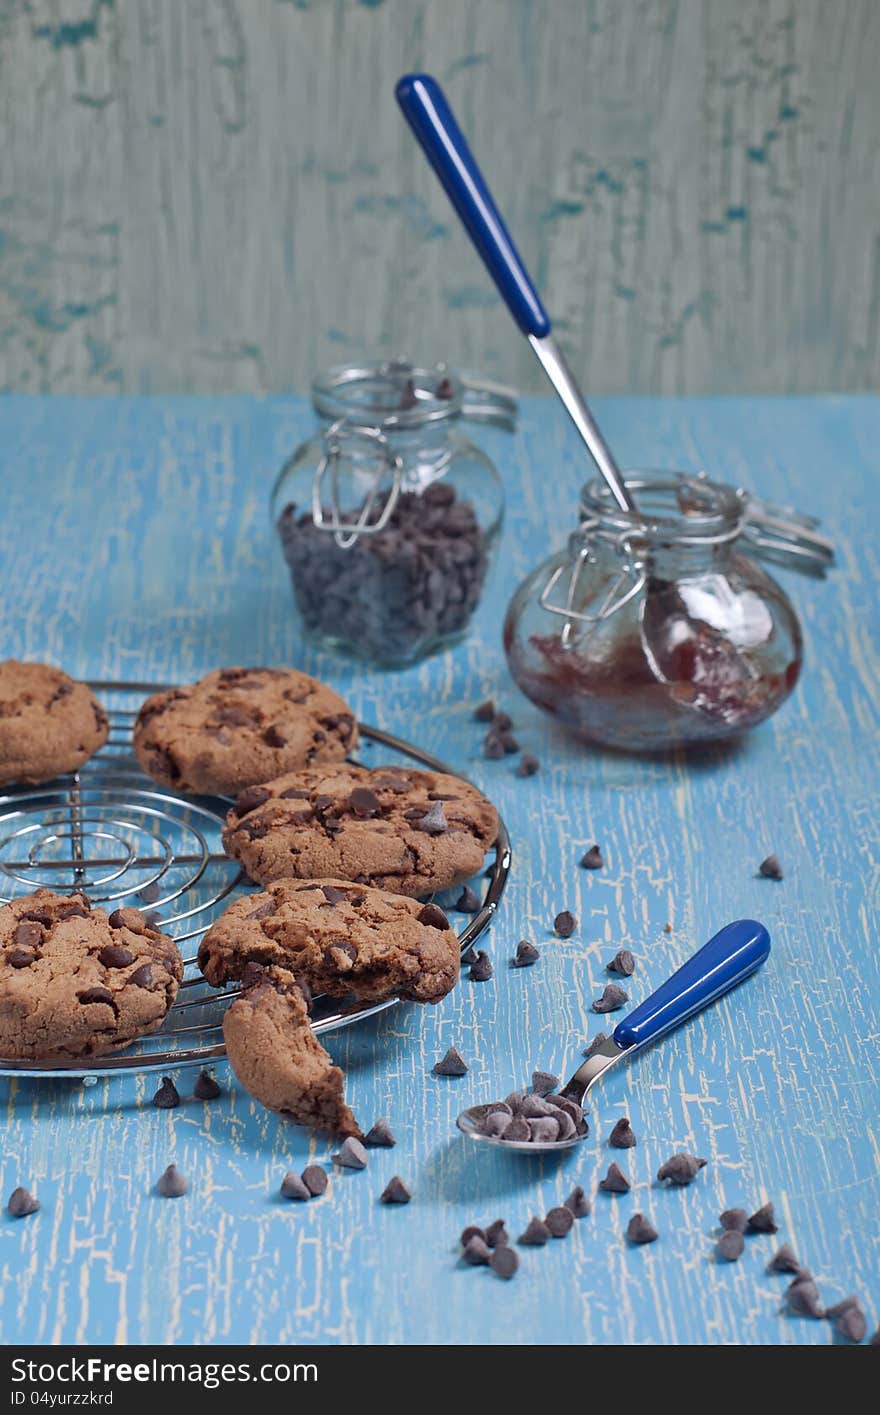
658 629
389 515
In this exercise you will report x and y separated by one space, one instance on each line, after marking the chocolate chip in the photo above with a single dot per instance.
127 918
528 765
783 1260
263 910
502 722
544 1130
485 712
399 785
292 1187
206 1087
802 1297
508 742
504 1263
734 1220
351 1154
622 1137
434 821
366 803
622 963
332 894
28 934
592 1047
639 1230
467 902
560 1221
569 1107
763 1220
592 860
481 968
564 924
408 396
518 1130
611 1000
395 1192
615 1181
543 1082
315 1179
770 868
469 956
730 1245
274 737
171 1184
75 909
20 958
526 954
21 1203
380 1135
95 995
493 747
578 1202
166 1098
433 916
680 1168
249 799
295 793
536 1235
496 1123
142 977
476 1252
444 389
150 892
113 955
848 1318
452 1064
496 1234
472 1231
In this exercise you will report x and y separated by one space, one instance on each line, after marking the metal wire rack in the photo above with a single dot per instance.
110 831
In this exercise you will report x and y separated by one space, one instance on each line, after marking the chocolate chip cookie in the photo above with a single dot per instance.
277 1057
75 982
408 831
49 723
337 938
238 726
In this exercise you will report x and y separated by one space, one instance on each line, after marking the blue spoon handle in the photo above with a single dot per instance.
433 123
736 951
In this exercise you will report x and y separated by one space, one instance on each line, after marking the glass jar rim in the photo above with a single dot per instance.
674 508
387 395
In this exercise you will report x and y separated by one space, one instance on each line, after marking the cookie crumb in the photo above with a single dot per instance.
528 765
485 712
171 1184
206 1087
783 1260
564 924
452 1064
315 1178
612 999
578 1202
351 1154
770 868
763 1220
535 1235
615 1181
380 1136
623 1136
292 1187
734 1220
395 1192
526 954
467 902
592 860
622 963
731 1245
504 1262
481 968
681 1168
640 1230
21 1203
166 1098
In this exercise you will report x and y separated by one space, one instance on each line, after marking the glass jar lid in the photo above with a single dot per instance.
401 395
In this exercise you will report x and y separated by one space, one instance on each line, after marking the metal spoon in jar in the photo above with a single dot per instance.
426 110
734 953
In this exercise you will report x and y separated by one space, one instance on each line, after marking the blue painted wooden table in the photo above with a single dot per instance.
135 543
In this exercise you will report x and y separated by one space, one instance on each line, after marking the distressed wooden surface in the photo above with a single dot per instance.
135 542
221 195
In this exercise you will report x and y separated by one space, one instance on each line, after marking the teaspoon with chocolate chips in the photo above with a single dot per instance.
735 952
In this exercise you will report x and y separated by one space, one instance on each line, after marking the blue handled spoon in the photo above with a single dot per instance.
426 110
735 952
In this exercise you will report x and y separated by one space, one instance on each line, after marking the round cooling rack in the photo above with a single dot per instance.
110 831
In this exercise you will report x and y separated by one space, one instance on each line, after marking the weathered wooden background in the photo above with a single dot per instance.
221 194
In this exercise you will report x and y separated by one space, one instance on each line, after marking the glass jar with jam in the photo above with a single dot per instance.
389 515
659 628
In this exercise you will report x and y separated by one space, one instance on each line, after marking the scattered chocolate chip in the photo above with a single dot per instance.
469 956
20 958
292 1187
875 1339
763 1220
667 928
770 868
504 1262
509 743
485 712
434 822
365 803
543 1082
496 1234
476 1251
564 924
528 765
640 1230
592 860
171 1184
444 389
578 1202
802 1297
502 722
560 1221
314 1177
113 955
731 1245
536 1235
150 892
96 995
27 934
166 1098
849 1319
380 1136
493 747
452 1064
433 916
481 968
734 1220
351 1154
467 902
622 963
680 1168
615 1181
472 1231
206 1088
142 977
526 954
249 799
21 1203
592 1047
274 737
395 1192
783 1260
622 1137
611 1000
